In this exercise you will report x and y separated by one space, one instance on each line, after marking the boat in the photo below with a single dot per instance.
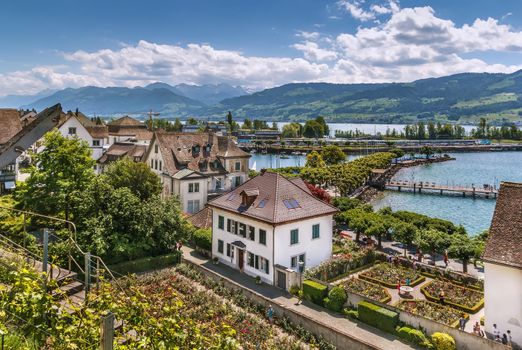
284 157
253 151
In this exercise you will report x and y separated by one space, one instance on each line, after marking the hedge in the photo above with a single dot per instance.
388 285
443 341
203 238
469 310
377 316
336 299
314 291
414 336
147 264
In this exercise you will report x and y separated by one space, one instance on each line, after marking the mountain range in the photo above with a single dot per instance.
458 98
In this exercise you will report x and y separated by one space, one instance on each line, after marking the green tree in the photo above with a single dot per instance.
464 248
136 176
192 121
63 169
404 233
177 126
322 122
313 129
432 241
427 151
333 155
230 119
247 124
292 130
314 160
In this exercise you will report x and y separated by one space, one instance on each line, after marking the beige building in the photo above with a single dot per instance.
196 166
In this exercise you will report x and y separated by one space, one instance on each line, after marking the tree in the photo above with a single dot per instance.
177 126
333 155
427 151
247 124
192 121
376 228
230 119
136 176
61 171
314 160
322 122
292 130
313 129
404 233
464 248
432 241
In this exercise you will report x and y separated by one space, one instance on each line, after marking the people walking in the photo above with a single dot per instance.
270 314
496 332
462 323
446 260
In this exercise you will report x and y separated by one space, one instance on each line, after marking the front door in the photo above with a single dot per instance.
240 259
281 279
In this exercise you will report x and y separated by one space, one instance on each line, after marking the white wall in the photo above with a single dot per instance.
503 300
81 133
181 188
255 247
316 250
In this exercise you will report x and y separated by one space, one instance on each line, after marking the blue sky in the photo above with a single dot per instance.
65 43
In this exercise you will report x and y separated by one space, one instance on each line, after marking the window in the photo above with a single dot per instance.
291 203
155 148
228 249
238 166
96 143
194 187
220 246
156 164
252 233
266 262
152 163
193 206
262 203
221 222
294 236
262 237
160 165
315 231
229 225
251 258
72 131
191 187
295 260
242 229
237 181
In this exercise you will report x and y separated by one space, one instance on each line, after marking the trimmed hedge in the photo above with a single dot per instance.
469 310
336 299
314 291
443 341
414 336
377 316
388 285
147 264
203 238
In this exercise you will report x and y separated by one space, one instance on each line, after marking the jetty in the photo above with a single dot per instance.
485 191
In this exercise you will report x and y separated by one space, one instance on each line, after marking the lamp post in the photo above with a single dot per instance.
301 270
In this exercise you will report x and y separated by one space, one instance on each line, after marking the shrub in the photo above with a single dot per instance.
314 292
351 313
294 289
147 264
203 238
378 316
336 299
414 336
443 341
482 321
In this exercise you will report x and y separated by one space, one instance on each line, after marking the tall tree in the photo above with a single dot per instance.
314 160
464 248
61 171
333 154
432 241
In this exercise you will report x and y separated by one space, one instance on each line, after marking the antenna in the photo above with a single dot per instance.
151 114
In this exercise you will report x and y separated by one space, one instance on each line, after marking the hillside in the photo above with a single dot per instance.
461 97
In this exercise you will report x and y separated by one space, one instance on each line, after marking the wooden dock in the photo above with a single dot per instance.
433 188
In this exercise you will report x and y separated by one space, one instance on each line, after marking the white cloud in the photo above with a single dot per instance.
410 44
355 9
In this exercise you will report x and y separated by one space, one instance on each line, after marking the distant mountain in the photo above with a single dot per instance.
461 97
113 100
16 101
208 94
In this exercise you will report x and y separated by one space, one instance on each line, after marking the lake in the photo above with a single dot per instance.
468 168
259 160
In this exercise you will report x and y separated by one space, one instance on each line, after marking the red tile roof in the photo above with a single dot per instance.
202 219
504 245
119 150
280 200
126 121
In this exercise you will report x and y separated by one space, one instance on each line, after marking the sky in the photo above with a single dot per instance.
54 44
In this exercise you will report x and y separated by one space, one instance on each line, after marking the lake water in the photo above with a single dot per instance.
468 168
259 160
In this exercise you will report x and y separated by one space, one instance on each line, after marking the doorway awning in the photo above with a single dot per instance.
239 244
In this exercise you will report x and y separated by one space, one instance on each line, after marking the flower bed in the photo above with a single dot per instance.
461 298
432 311
389 275
367 289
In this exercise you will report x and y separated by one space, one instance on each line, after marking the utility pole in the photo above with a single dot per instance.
152 114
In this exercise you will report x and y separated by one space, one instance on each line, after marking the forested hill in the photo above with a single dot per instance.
462 97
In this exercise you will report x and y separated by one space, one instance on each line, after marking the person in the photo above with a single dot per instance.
510 339
399 287
441 297
476 329
496 332
504 339
179 245
408 281
462 323
446 258
270 314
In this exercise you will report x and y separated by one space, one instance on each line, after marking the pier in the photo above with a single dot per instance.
485 191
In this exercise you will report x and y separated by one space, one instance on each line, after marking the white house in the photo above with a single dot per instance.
269 224
196 166
503 264
128 129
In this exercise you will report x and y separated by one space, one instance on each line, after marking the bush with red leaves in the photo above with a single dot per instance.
319 192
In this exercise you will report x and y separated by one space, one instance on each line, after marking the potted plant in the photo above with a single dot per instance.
215 260
258 280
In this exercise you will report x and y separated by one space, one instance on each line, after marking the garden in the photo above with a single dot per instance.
462 298
433 311
389 275
367 289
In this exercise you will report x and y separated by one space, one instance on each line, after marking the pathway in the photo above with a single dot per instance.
359 330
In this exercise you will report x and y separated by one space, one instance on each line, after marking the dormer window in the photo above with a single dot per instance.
216 164
249 196
208 147
195 149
